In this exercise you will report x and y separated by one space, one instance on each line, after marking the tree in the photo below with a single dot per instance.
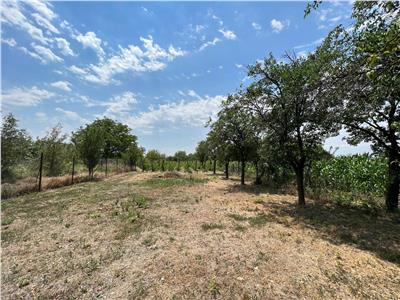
286 99
153 156
238 130
132 155
180 156
213 145
54 151
117 137
15 144
89 142
202 153
367 83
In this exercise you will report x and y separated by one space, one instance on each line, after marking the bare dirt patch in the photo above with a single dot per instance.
129 238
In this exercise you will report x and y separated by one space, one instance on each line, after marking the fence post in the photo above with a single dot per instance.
73 170
117 165
40 171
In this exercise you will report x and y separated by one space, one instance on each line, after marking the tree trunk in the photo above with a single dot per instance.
106 165
214 166
300 184
392 190
258 177
227 169
242 174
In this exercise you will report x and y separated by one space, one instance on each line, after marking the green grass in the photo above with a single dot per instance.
168 182
141 201
211 226
258 220
238 217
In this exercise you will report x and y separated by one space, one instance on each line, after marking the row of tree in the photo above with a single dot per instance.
350 82
95 143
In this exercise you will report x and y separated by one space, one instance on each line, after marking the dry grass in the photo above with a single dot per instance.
30 184
123 238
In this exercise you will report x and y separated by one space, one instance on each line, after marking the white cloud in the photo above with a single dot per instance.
42 7
218 19
90 40
41 116
238 66
10 42
199 28
120 104
11 14
71 115
309 45
76 70
256 26
45 23
194 113
133 59
209 43
46 55
64 46
228 34
278 26
62 85
176 51
22 96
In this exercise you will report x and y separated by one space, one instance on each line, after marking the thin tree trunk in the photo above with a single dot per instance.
227 169
258 177
215 166
106 166
392 190
300 185
242 173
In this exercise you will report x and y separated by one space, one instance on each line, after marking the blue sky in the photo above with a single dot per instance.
162 68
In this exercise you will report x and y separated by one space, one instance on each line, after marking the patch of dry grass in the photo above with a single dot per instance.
121 238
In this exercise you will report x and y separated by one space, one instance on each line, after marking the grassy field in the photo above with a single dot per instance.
142 235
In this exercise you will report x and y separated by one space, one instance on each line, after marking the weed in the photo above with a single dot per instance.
6 221
94 215
258 220
211 226
149 241
238 217
213 287
91 265
259 201
141 201
23 282
239 227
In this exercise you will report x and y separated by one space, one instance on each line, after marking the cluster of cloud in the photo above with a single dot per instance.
185 113
227 34
23 96
62 85
39 26
277 25
38 20
132 58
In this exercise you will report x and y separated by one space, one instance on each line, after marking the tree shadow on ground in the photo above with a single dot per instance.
254 189
377 232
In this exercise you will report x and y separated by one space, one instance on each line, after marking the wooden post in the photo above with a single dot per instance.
40 171
73 170
117 165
